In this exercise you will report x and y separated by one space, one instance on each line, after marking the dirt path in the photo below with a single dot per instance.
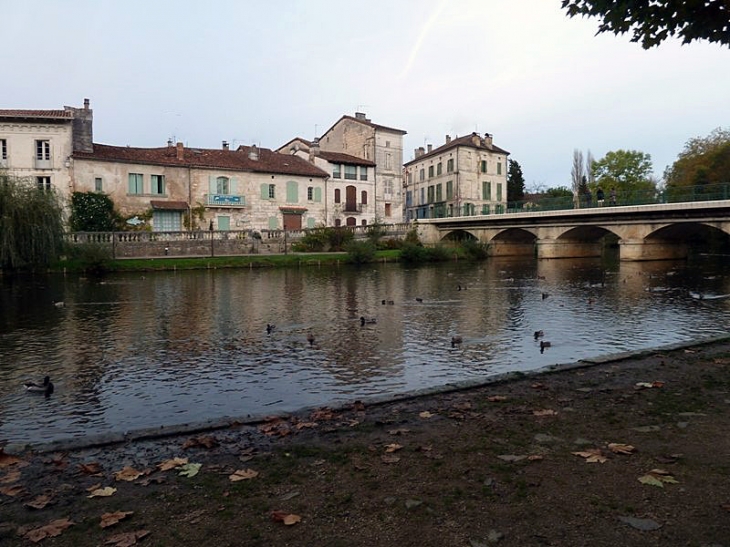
495 465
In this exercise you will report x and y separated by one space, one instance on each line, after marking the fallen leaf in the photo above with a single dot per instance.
394 447
127 539
155 479
496 398
390 458
128 474
658 477
243 474
12 491
307 425
538 385
287 518
545 412
7 460
92 468
40 501
322 415
425 414
592 455
172 464
110 519
190 469
52 529
358 406
462 406
10 477
204 441
618 448
511 458
400 431
102 492
535 457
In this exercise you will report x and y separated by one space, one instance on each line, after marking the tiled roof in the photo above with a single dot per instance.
285 147
365 121
465 141
171 205
232 160
45 114
337 157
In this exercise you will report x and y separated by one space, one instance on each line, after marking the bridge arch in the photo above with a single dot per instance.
460 235
512 242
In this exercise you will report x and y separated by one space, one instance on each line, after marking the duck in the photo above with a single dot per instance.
544 345
46 387
419 299
59 304
310 339
456 340
545 295
539 334
367 321
460 288
269 328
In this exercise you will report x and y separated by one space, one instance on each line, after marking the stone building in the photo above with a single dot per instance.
351 187
359 137
465 176
38 144
249 188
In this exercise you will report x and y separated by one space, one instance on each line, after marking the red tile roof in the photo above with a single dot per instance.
171 205
232 160
337 157
465 141
365 121
45 114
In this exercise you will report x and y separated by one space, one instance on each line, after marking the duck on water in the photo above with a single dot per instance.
46 387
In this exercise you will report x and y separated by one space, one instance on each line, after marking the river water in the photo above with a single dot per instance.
137 351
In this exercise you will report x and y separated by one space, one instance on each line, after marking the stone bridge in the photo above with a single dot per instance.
643 232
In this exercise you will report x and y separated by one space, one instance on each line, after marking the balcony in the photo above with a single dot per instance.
355 208
225 200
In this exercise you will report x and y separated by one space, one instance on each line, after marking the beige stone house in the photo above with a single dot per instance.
350 192
463 177
38 144
359 137
249 188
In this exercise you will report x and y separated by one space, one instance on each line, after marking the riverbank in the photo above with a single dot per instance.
536 460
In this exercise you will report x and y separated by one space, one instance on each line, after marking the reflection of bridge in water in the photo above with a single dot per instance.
642 232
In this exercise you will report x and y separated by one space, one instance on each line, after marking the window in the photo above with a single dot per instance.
272 191
423 196
157 184
499 191
485 209
388 187
387 144
136 185
430 171
222 185
3 149
364 197
439 169
363 173
450 166
450 189
389 161
430 194
439 196
422 175
336 174
43 150
499 167
337 195
350 172
486 190
387 210
98 185
44 183
409 198
310 193
483 166
338 222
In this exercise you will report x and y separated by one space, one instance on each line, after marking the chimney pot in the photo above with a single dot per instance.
225 145
360 116
86 104
430 147
448 139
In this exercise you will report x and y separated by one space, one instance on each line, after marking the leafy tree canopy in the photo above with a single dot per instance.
92 212
515 182
650 22
559 192
704 160
629 172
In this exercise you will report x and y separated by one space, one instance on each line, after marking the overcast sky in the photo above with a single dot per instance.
264 72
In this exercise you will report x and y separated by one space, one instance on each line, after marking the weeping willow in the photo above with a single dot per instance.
31 225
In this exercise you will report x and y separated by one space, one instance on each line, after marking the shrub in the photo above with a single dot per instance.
474 250
360 252
93 212
92 257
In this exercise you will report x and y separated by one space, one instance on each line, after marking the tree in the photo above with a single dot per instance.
515 183
92 212
629 173
650 22
704 161
31 224
577 173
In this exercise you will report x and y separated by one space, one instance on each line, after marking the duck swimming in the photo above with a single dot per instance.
367 321
310 339
46 387
544 345
269 328
539 334
455 340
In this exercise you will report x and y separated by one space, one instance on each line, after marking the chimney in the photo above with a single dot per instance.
360 116
225 145
86 104
253 153
430 147
314 150
448 139
420 151
82 127
475 140
487 140
169 142
180 151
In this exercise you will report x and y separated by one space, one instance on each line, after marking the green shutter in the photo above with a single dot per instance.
264 191
212 184
233 189
317 196
292 192
310 222
273 223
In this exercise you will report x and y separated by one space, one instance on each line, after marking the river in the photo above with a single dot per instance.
138 351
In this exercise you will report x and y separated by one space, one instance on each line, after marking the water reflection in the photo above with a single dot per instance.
138 351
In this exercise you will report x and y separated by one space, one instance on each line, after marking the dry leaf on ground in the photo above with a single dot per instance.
7 460
128 474
545 412
92 468
204 441
322 415
10 477
496 398
40 501
394 447
399 431
389 458
172 464
307 425
110 519
592 455
658 477
12 491
287 518
243 474
190 469
127 539
102 492
52 529
425 414
618 448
